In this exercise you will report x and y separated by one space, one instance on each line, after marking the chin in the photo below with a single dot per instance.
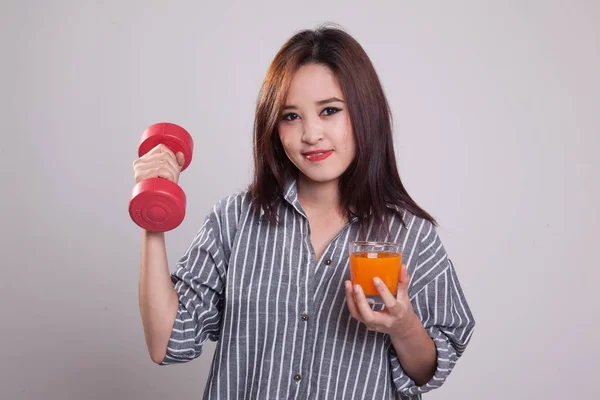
320 177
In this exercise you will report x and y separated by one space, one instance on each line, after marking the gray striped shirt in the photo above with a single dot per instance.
280 316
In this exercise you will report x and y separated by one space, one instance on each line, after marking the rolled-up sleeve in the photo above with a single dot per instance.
199 281
443 310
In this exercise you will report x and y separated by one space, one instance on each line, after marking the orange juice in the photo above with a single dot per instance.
365 265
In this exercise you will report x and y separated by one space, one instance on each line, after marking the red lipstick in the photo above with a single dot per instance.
317 155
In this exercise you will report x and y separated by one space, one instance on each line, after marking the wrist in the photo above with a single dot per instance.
410 328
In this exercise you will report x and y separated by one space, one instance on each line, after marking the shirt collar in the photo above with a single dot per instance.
290 194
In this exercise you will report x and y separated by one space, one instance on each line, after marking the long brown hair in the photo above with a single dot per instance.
371 184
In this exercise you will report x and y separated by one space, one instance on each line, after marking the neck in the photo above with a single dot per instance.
317 197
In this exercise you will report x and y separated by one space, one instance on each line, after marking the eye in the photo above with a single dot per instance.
330 111
290 117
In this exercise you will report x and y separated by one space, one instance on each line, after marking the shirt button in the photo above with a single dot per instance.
297 377
304 317
327 262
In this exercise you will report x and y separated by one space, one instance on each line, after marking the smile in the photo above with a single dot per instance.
318 155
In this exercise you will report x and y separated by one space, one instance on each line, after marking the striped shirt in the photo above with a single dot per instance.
280 316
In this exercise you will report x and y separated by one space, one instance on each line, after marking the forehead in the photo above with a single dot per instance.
313 82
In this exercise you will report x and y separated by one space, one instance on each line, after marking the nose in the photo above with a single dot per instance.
312 132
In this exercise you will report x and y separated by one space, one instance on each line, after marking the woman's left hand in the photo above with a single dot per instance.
397 318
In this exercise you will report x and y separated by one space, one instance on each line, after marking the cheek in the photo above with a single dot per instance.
350 148
348 140
288 136
348 136
284 134
283 138
284 141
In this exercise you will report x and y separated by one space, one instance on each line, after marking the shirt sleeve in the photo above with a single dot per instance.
199 281
440 304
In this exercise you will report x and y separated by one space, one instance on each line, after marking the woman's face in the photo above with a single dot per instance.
315 127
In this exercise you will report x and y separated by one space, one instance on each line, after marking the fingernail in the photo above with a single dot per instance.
356 289
377 281
347 285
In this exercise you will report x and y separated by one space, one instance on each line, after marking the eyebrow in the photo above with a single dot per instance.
319 103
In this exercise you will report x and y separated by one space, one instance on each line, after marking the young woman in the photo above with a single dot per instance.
267 275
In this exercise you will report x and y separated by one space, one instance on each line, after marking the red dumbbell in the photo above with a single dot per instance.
158 204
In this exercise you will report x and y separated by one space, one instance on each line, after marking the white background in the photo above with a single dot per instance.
497 117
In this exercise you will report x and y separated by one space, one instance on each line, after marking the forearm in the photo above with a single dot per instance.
157 299
416 351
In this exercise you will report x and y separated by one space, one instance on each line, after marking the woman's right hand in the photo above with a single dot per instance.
158 162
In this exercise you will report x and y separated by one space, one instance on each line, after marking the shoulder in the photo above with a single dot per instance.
223 219
409 227
233 210
232 205
424 253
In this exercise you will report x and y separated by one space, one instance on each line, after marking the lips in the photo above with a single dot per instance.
317 155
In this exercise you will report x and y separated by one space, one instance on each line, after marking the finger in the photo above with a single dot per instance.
166 152
156 172
367 314
159 148
180 158
166 157
173 163
403 281
160 151
167 173
389 300
351 303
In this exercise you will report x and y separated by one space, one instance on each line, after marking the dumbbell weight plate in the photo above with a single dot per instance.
173 136
157 205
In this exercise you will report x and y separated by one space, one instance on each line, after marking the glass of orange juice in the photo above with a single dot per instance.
375 259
